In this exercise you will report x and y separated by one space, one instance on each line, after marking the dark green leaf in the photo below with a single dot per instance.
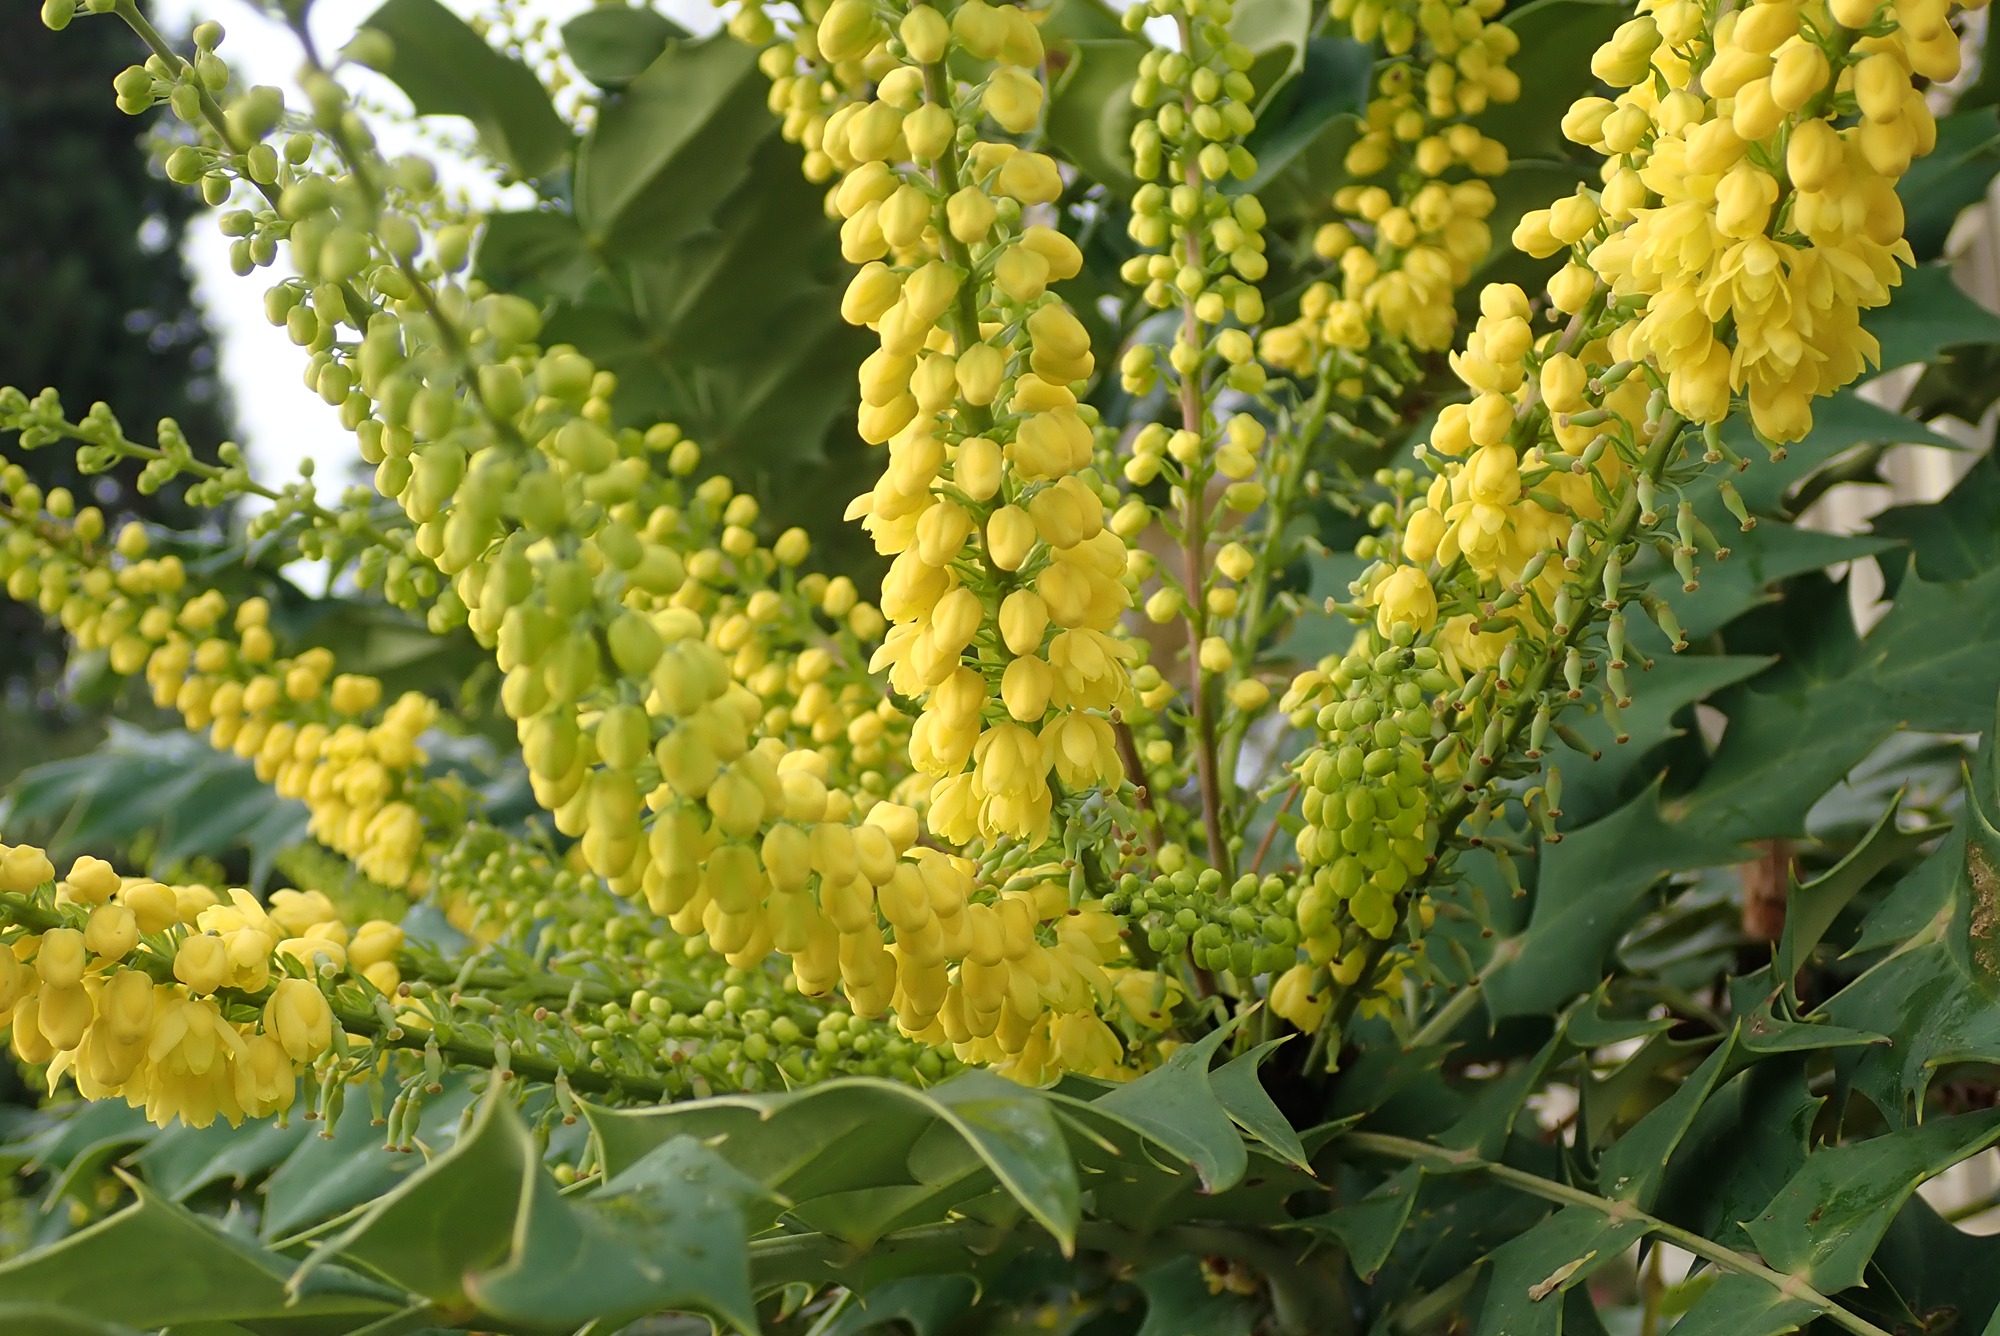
1930 312
47 1320
1532 1273
183 1160
1368 1229
668 1233
324 1178
1739 1305
1811 908
1241 1093
1090 114
1827 1220
671 148
1956 538
1176 1106
1322 103
1634 1166
1557 39
447 69
155 1263
452 1216
537 254
926 1304
612 44
1180 1303
1841 423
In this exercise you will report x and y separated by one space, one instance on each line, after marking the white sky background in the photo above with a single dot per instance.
279 421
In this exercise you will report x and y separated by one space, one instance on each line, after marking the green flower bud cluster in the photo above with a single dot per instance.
1367 795
1247 927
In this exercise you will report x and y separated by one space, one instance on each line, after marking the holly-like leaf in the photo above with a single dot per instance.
671 148
447 69
449 1218
1826 1221
1176 1105
1368 1229
1553 64
1533 1273
157 1264
670 1232
1242 1095
1953 175
611 45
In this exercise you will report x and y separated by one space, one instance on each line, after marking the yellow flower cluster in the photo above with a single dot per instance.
306 729
1743 215
1408 243
1006 585
184 1004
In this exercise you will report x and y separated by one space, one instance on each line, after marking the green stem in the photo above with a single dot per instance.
1447 1161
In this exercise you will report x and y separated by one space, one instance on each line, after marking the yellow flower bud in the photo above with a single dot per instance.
91 881
59 960
1010 534
354 694
1020 273
298 1017
870 294
1013 98
1025 688
1031 178
1024 619
980 370
24 869
111 932
64 1013
1216 656
125 1006
202 963
925 34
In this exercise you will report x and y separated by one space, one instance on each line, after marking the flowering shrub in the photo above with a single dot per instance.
884 909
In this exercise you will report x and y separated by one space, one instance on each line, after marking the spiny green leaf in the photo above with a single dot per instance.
1368 1229
669 1233
1825 1223
184 1160
611 45
1242 1095
1634 1166
1179 1302
156 1264
1812 907
926 1304
668 151
1176 1106
1739 1305
450 1217
323 1178
447 69
1954 174
1841 422
1956 538
1533 1273
1749 1138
